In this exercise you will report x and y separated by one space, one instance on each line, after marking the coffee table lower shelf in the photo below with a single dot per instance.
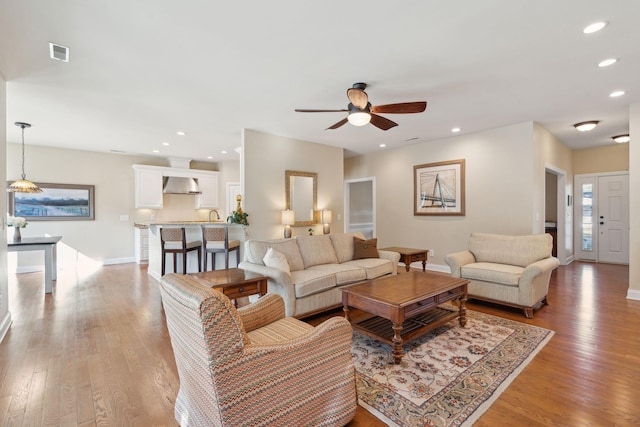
382 329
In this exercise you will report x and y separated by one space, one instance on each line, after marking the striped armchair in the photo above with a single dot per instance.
253 366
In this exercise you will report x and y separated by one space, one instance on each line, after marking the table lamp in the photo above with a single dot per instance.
288 219
325 219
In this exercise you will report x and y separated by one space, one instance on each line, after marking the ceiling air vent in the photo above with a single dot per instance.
61 53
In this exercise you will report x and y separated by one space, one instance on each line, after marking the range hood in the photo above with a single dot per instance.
180 185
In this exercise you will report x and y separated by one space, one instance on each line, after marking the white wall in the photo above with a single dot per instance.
107 239
634 201
5 316
500 189
266 157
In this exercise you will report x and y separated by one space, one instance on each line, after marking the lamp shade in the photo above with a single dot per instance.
326 216
288 217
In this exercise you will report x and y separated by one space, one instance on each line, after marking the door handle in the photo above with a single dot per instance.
601 222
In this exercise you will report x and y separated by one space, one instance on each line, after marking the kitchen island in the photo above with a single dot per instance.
193 231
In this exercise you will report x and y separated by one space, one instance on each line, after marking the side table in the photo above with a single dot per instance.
408 255
234 282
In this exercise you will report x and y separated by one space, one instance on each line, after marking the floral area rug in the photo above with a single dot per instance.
450 376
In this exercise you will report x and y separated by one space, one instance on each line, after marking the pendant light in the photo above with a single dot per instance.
23 185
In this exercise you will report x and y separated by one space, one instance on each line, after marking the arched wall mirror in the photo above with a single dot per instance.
301 190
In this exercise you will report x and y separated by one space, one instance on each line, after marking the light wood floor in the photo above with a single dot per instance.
97 352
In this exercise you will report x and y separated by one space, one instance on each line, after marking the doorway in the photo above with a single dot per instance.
360 206
558 218
602 212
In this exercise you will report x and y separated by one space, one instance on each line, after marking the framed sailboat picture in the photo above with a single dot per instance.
438 188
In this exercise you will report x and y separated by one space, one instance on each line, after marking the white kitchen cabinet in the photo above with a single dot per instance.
208 184
148 187
141 249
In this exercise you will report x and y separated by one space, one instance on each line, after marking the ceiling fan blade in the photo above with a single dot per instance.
381 122
358 97
402 108
300 110
337 125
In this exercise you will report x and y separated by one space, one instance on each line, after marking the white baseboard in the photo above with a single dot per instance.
113 261
633 294
433 267
4 325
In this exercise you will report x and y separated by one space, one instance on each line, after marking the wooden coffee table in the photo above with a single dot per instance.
405 306
234 282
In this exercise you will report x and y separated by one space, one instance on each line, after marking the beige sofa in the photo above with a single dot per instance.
509 270
318 266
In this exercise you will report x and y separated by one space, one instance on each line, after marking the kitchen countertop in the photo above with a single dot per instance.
185 222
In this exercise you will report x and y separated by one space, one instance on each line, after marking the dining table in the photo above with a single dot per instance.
48 244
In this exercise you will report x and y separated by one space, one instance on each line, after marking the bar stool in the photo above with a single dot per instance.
174 242
216 240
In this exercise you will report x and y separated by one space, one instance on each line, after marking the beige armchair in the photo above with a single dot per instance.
254 366
509 270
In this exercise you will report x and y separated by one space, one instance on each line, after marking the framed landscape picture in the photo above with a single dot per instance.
57 202
439 188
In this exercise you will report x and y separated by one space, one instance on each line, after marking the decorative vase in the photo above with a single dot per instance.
17 237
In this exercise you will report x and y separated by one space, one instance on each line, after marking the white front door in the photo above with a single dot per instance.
613 219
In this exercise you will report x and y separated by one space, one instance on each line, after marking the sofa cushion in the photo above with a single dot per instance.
343 245
489 272
308 282
316 250
277 260
513 250
375 267
344 273
365 248
255 250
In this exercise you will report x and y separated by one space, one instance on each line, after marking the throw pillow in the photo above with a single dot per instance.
365 248
275 259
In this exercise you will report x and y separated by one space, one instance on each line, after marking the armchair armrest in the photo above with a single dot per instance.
267 309
457 260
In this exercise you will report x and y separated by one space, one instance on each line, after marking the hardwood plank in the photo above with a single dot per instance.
97 352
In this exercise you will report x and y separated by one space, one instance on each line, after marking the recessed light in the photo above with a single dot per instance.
454 130
616 93
209 157
596 26
586 126
181 133
621 138
224 151
383 145
607 62
156 151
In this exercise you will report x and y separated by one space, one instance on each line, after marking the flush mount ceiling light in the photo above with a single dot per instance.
586 126
616 93
607 62
621 138
596 26
23 185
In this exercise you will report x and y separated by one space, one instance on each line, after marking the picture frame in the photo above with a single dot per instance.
438 188
57 202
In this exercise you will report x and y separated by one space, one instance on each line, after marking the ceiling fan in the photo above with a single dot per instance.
362 112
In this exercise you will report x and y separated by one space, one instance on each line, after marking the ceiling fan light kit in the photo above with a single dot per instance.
586 126
361 112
